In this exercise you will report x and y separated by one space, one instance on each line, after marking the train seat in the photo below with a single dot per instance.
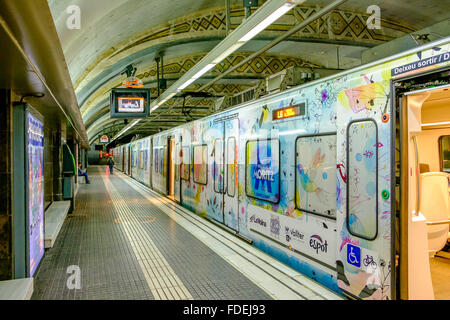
435 206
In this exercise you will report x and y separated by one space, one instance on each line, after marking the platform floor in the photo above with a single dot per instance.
131 243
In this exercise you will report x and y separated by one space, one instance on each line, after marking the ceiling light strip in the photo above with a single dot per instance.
435 124
269 12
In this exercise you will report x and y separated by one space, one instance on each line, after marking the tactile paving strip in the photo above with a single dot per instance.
97 239
91 240
161 279
203 272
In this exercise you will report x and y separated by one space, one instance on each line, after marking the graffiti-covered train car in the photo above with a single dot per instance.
308 175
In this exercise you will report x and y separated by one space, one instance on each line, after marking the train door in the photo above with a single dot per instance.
150 162
123 159
132 160
230 201
177 162
226 171
171 167
125 155
364 184
129 160
424 209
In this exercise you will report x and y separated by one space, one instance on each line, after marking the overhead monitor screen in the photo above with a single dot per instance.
131 104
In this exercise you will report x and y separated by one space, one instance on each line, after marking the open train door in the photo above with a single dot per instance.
172 176
423 221
364 189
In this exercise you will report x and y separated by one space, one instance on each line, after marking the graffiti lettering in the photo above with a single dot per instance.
296 234
259 221
317 244
262 174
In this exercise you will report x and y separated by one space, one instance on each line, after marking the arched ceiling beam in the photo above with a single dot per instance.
342 27
174 68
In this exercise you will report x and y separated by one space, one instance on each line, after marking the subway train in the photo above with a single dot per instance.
344 179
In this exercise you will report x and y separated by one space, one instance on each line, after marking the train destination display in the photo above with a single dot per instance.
289 112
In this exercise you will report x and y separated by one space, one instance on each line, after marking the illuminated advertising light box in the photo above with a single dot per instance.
262 170
130 103
28 185
36 191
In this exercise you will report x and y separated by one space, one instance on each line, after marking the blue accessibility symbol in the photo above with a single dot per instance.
354 255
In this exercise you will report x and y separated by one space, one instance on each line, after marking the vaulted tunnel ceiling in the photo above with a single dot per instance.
117 33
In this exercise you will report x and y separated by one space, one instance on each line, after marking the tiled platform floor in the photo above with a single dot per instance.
95 238
130 243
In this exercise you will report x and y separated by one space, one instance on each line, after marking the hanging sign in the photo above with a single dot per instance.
104 139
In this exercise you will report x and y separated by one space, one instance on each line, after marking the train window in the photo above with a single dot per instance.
315 174
444 149
156 160
201 164
133 159
362 179
231 166
177 161
159 160
218 175
145 159
262 170
185 162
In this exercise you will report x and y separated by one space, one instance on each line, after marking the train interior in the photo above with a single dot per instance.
425 239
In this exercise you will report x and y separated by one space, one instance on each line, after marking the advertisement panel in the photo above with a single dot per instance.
262 170
309 238
36 191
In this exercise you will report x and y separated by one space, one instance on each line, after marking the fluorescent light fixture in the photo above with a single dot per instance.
227 52
187 83
268 21
171 95
196 76
435 124
126 129
204 70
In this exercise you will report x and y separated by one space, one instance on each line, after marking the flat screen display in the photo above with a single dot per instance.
36 191
130 104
